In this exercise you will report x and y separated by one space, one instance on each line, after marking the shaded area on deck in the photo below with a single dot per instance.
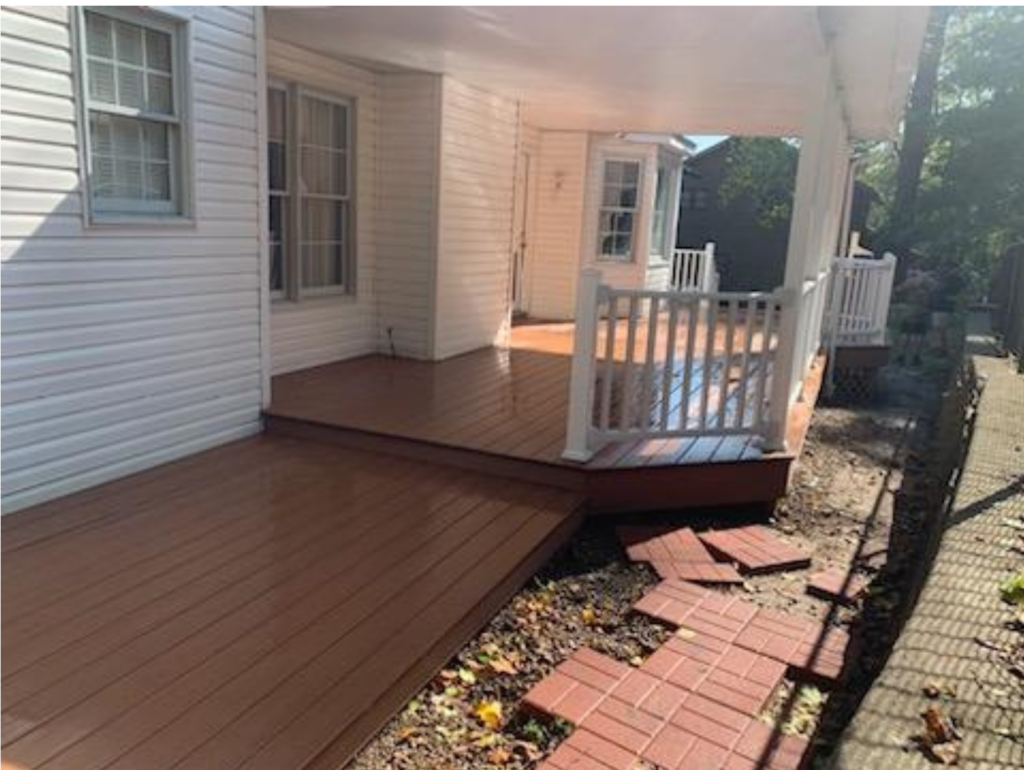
268 604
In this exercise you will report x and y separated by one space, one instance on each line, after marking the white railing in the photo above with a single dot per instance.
663 364
694 270
859 302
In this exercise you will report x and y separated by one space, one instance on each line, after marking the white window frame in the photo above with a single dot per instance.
293 290
288 193
672 168
180 211
636 210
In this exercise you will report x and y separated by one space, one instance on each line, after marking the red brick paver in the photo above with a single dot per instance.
691 705
755 549
676 553
814 649
837 585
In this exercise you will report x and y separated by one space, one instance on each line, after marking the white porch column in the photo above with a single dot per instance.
584 366
814 230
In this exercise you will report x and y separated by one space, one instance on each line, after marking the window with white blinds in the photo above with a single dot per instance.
131 92
309 146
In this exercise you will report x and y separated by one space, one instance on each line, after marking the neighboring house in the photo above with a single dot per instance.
748 254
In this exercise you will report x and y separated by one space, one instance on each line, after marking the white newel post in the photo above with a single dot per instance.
584 366
708 279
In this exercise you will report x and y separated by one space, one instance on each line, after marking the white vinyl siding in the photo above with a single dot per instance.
322 329
123 348
478 152
409 110
561 171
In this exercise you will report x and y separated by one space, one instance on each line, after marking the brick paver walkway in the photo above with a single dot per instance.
676 552
815 650
694 704
960 605
755 549
691 706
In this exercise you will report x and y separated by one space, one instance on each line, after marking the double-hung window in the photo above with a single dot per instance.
133 101
619 211
309 150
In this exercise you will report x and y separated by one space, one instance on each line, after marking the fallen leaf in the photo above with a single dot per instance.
499 756
407 733
467 676
588 615
502 666
489 712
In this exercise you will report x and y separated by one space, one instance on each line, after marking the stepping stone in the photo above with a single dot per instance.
755 549
676 553
837 585
714 622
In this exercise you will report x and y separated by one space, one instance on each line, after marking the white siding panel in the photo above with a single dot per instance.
478 153
561 169
123 347
408 138
318 331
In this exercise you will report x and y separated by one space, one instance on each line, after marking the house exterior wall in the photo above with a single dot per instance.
318 330
478 154
124 346
408 142
561 174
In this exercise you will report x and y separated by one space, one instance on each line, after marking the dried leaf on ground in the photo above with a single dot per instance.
490 713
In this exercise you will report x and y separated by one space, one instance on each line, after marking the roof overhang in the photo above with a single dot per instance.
658 69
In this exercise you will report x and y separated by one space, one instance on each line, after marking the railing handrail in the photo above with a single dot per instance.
723 296
691 363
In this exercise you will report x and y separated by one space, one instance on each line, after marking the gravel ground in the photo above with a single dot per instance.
842 498
581 598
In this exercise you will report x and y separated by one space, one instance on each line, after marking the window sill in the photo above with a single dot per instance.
140 222
608 260
288 305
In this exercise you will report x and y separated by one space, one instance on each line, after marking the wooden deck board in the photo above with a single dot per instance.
508 402
330 578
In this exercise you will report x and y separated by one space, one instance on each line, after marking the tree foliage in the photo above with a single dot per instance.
968 205
761 171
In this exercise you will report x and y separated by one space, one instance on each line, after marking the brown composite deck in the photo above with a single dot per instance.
504 410
267 604
504 401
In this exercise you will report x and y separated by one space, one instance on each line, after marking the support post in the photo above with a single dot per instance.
584 367
708 277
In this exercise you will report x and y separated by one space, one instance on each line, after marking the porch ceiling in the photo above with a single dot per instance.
697 70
